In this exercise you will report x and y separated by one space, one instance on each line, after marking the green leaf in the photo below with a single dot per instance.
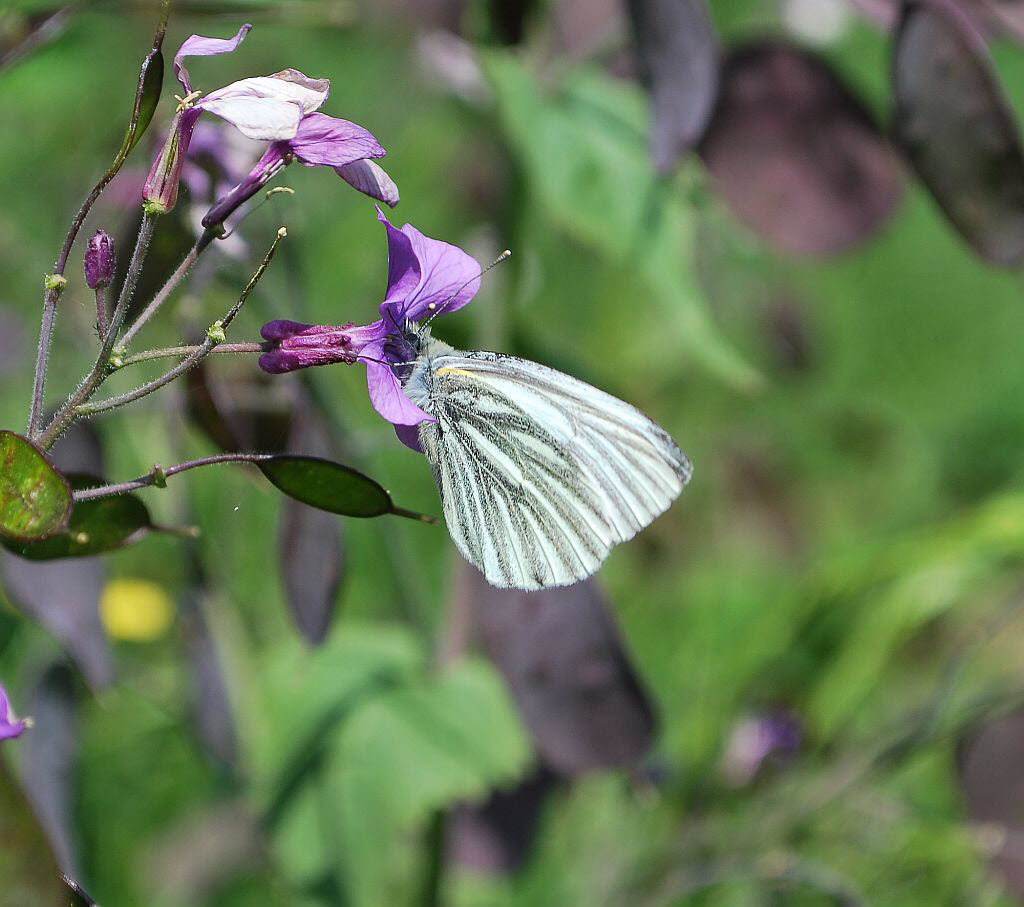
28 867
35 499
333 487
585 150
405 754
96 526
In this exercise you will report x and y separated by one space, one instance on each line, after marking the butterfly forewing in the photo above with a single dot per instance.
540 474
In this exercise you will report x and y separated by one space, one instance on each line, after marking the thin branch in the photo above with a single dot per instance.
66 414
173 282
102 315
55 282
214 337
176 351
158 475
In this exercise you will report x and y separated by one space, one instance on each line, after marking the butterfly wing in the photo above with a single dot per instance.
540 474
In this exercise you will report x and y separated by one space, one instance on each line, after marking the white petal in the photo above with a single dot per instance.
265 119
306 94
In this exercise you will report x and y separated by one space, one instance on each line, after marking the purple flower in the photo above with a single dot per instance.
758 739
425 277
100 261
276 108
10 726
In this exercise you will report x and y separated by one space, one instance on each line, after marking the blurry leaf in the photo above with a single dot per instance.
497 836
63 596
406 753
35 500
14 342
78 451
211 702
239 411
990 761
50 753
332 487
310 542
677 55
28 870
958 131
311 556
795 155
562 657
307 694
96 526
583 149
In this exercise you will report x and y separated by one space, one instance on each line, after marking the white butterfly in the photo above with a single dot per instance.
540 475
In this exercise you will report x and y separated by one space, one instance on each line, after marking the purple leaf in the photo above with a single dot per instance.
991 769
795 154
211 705
310 542
497 836
563 659
50 754
63 596
677 58
956 128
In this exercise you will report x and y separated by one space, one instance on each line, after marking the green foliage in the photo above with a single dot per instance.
35 500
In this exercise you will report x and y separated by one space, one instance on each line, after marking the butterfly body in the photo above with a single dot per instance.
540 474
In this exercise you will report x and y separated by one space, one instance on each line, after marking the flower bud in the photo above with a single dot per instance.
161 189
100 261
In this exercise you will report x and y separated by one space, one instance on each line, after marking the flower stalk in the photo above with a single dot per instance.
215 336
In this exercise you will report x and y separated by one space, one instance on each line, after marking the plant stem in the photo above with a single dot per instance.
54 289
102 315
158 475
173 282
65 415
214 337
173 351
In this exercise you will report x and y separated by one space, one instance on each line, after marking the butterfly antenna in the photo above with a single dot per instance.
436 309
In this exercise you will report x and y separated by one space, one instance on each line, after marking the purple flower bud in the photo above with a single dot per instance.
10 726
161 189
100 261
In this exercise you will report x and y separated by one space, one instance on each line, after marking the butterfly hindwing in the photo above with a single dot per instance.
540 474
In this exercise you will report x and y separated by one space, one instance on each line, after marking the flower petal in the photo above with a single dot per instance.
288 85
389 399
448 277
370 179
199 46
327 141
409 435
266 119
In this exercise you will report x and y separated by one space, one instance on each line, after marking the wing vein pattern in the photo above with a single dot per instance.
540 474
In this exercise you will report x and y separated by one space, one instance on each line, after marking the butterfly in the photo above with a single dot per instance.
540 474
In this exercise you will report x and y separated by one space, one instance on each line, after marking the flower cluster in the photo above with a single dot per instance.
282 109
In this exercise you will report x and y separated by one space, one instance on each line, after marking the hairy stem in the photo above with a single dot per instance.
214 337
102 315
158 475
173 282
176 351
55 287
65 415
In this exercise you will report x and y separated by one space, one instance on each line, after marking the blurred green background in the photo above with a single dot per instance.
848 554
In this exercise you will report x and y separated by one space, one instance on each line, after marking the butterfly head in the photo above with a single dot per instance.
403 346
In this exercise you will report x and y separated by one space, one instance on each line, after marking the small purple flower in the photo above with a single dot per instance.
276 108
100 261
10 726
773 736
425 277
